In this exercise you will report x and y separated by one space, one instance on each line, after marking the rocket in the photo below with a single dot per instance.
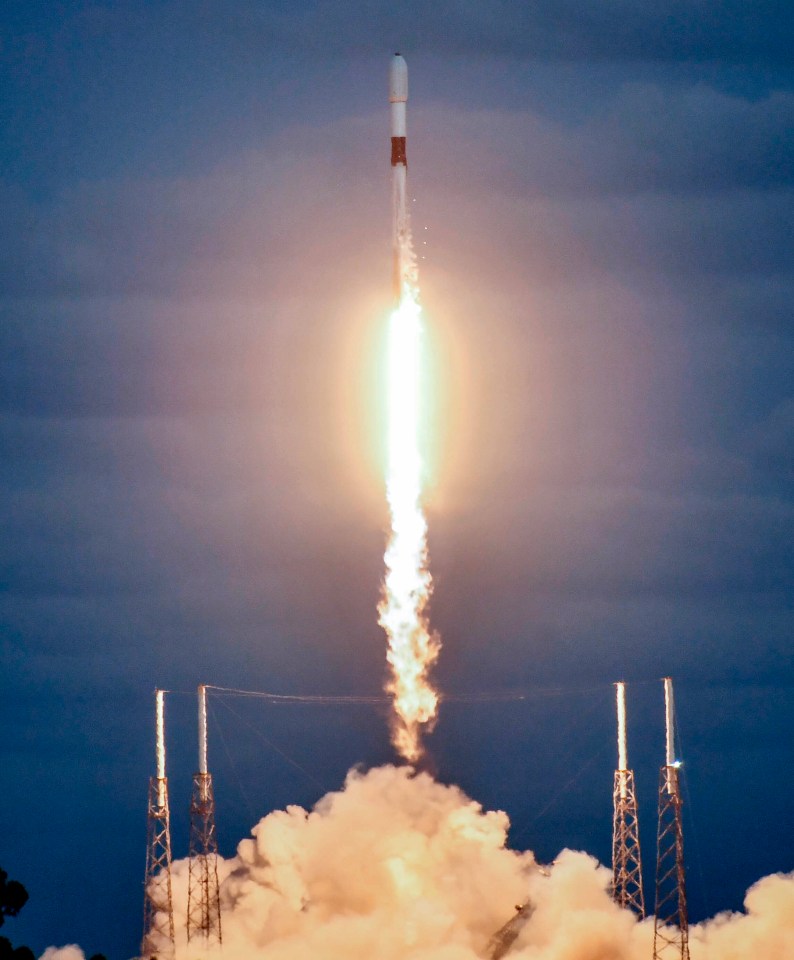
398 101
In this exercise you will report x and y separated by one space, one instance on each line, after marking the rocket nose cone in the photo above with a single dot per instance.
398 79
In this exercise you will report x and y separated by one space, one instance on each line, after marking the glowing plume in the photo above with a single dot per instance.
407 585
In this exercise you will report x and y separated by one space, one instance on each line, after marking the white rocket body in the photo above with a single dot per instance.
398 101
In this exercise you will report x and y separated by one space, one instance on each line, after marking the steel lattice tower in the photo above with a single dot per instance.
626 860
504 938
671 923
502 941
158 907
203 897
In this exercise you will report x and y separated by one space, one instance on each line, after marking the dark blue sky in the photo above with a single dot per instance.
194 271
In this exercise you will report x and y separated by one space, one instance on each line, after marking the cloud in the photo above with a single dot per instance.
70 952
397 865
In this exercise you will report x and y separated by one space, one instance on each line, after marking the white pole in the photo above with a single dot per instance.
620 690
202 728
669 722
159 696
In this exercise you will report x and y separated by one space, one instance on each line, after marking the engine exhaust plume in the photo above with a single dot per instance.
407 585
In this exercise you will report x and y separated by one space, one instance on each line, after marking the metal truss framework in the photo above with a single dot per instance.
504 938
158 907
671 923
203 898
626 860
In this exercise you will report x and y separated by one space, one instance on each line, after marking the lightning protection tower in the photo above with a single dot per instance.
671 923
203 897
626 859
158 908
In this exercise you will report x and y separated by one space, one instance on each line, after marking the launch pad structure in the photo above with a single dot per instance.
671 925
203 906
502 941
203 897
158 904
671 920
626 858
203 917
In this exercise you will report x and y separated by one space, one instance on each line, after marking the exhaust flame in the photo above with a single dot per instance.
407 585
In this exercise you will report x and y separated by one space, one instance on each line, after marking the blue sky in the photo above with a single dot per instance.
193 280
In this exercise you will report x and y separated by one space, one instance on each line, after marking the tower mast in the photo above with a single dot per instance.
158 908
671 922
626 860
502 941
203 897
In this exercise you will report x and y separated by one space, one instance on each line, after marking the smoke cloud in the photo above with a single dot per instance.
396 866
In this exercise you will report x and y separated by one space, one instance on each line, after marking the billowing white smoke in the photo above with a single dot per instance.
399 867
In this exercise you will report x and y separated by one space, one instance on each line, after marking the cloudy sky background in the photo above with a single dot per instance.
194 275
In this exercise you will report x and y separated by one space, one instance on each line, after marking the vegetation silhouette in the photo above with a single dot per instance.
13 897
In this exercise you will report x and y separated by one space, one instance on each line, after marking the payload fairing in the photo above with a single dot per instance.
398 100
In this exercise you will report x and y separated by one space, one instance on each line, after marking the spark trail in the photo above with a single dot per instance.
407 585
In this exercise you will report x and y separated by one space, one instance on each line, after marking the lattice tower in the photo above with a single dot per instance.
158 905
203 897
504 938
626 859
671 922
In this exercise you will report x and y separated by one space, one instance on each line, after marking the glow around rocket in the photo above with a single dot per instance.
407 585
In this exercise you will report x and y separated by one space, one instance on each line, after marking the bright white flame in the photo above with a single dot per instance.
407 586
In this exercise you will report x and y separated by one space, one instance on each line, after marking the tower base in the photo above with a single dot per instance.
203 897
671 922
158 907
626 860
